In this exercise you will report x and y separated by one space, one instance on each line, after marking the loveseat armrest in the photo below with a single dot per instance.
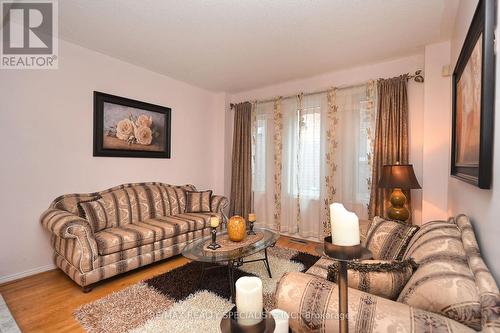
312 304
74 231
219 204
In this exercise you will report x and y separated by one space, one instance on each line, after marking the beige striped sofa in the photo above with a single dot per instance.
98 235
452 290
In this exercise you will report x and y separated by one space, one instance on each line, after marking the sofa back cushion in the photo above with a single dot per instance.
176 198
443 282
126 204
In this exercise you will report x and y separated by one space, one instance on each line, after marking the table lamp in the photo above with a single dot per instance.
398 177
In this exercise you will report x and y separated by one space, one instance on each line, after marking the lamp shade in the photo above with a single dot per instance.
398 176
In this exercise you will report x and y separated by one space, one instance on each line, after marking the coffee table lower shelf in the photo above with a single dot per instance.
231 265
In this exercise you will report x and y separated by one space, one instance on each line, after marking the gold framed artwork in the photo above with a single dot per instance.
125 127
473 101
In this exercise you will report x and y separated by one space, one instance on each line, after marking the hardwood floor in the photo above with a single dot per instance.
45 302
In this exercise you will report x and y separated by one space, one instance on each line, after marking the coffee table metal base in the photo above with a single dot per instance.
231 265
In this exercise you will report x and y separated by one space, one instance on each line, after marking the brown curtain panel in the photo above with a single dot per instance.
391 138
241 171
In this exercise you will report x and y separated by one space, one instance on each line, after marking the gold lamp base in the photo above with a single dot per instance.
398 211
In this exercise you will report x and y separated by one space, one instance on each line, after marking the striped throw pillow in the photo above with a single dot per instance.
198 202
387 239
383 278
94 212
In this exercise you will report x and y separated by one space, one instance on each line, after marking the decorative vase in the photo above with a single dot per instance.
398 211
236 228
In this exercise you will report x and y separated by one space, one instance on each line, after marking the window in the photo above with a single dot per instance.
259 156
310 159
263 148
305 137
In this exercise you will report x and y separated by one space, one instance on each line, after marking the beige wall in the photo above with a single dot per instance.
46 143
436 141
483 206
357 75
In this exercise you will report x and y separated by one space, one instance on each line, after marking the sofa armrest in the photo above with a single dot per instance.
312 304
364 226
219 204
63 223
73 230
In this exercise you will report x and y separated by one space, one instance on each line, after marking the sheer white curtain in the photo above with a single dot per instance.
352 157
263 164
304 167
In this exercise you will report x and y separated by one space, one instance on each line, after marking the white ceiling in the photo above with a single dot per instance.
229 45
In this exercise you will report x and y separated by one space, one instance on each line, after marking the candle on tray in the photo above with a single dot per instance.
280 320
345 226
249 303
252 217
214 221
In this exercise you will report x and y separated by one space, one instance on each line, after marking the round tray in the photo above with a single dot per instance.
229 324
227 245
346 253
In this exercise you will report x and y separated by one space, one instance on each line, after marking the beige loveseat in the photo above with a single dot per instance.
129 226
452 290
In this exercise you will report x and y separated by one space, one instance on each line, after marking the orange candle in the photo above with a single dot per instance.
252 217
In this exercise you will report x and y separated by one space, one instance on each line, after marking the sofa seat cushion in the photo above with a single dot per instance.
126 237
165 244
384 278
320 268
112 240
169 226
384 284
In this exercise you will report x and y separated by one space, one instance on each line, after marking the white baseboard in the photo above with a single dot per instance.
295 235
15 276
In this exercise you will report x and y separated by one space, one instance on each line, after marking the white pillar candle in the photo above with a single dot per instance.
281 321
249 303
214 222
345 226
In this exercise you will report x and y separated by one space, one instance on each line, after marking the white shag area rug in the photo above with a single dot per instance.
176 302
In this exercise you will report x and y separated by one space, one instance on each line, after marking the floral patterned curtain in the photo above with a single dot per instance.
331 167
278 146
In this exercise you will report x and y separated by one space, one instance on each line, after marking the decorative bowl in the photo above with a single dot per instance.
236 228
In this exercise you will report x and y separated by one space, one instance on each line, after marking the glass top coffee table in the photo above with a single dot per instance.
233 258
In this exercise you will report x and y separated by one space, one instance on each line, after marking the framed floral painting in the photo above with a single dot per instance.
125 127
474 102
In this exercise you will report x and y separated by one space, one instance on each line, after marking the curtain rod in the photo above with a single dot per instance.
417 77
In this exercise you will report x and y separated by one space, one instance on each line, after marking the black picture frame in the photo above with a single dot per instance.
483 25
100 99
